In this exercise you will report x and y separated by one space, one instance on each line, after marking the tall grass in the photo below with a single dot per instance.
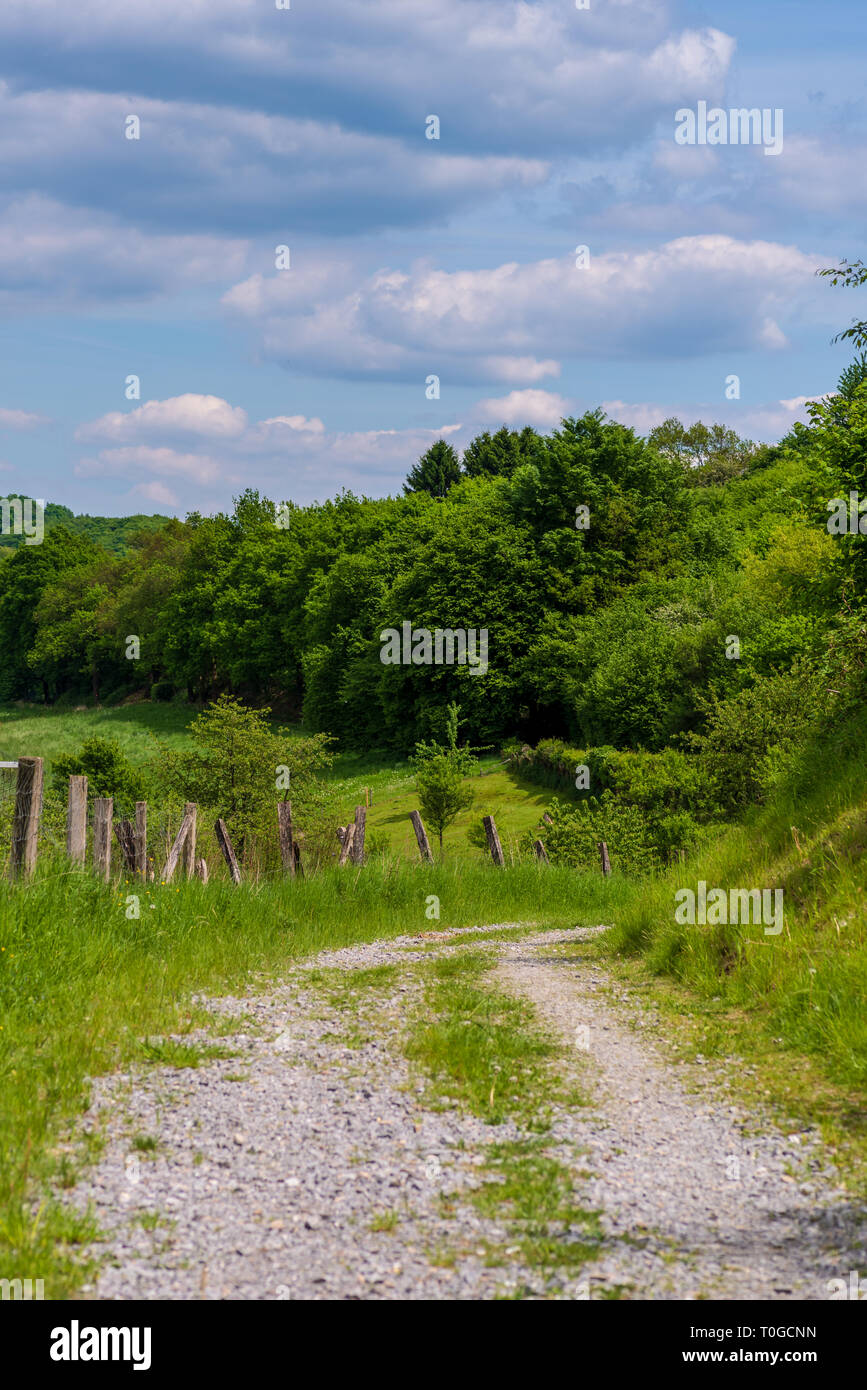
83 987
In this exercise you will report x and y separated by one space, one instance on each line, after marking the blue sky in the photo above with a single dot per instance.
409 257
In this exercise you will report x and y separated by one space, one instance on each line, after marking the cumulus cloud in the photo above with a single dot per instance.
208 416
542 409
693 295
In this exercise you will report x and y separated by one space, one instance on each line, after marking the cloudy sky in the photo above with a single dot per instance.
408 257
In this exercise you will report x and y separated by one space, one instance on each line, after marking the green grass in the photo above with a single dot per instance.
145 1143
485 1050
475 1042
31 731
385 1221
83 990
804 989
168 1053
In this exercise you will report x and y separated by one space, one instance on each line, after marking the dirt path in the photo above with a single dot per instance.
308 1164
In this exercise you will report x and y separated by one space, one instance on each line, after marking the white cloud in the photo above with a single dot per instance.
542 409
52 256
693 295
20 420
158 493
562 76
208 416
165 462
215 166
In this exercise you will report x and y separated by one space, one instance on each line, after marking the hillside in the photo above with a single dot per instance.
112 533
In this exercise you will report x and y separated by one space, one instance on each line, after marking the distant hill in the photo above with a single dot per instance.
111 532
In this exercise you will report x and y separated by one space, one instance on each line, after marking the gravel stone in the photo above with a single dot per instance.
275 1167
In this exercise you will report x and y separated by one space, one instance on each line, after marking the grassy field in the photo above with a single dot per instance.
516 805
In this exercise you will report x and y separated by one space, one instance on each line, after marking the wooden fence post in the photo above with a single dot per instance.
180 841
202 870
494 841
76 820
228 853
25 826
358 837
541 852
606 862
346 846
421 836
103 810
188 852
141 838
287 844
126 839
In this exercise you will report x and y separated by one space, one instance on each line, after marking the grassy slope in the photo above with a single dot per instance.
801 993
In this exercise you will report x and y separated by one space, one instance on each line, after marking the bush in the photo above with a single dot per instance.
163 691
575 831
107 770
753 733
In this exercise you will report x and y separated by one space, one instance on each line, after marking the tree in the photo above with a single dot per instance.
435 471
851 274
498 455
439 781
235 765
710 454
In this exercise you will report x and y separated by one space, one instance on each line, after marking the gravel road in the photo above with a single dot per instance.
309 1164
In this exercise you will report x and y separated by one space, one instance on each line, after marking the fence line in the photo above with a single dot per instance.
132 836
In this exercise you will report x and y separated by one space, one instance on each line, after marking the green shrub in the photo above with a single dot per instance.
751 735
162 690
108 772
573 836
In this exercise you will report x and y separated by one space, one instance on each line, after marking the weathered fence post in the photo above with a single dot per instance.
421 836
188 852
126 839
346 844
141 838
202 870
606 862
103 810
358 837
179 841
287 845
25 826
494 841
228 853
76 820
541 852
